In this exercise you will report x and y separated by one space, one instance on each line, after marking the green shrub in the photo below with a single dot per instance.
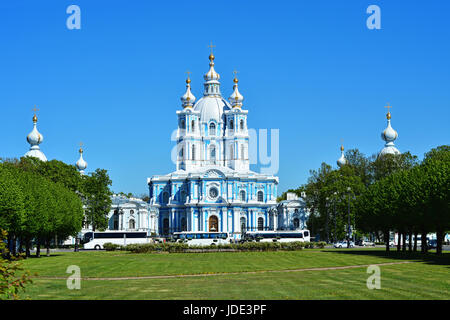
178 247
320 244
108 246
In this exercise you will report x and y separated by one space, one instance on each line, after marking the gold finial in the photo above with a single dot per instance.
235 80
188 80
342 147
211 56
388 115
35 119
81 147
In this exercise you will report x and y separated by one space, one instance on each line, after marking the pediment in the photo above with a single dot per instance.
214 173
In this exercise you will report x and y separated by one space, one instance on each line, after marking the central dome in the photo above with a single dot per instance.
211 108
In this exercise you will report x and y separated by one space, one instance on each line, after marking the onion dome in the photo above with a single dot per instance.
212 84
81 164
211 74
236 97
188 98
35 138
342 161
389 135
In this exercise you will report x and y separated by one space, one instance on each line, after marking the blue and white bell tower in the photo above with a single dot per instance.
213 188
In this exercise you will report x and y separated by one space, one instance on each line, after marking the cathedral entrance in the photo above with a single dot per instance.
213 224
166 226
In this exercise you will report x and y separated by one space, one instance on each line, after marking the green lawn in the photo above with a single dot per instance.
427 278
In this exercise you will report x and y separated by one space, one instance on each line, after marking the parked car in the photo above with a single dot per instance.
343 244
432 244
367 243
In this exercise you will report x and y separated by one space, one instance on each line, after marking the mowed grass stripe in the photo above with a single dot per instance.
228 273
404 281
112 264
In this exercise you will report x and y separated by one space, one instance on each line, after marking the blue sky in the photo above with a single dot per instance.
311 69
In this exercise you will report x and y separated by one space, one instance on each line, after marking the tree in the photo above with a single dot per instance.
385 165
11 204
436 172
10 283
55 171
97 198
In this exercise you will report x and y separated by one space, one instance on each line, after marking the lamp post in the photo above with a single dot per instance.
326 220
348 223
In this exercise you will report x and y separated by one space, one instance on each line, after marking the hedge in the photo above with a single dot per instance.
173 247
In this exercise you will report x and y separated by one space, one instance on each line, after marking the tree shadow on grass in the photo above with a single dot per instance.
429 258
33 256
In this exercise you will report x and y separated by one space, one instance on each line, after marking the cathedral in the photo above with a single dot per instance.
213 188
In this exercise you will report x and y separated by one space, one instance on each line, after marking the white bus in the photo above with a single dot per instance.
198 238
278 236
96 240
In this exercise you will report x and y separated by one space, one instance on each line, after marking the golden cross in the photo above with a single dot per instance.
188 73
35 109
81 144
388 107
211 46
235 73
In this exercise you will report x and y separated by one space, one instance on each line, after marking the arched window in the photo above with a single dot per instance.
193 125
182 196
166 226
296 223
260 224
242 195
131 224
183 224
260 196
212 154
183 124
241 124
243 225
212 129
231 124
131 211
193 152
165 197
213 224
181 153
242 152
115 221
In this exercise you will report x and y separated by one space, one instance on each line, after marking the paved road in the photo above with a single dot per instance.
444 248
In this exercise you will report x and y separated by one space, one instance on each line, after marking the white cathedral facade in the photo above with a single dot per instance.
213 188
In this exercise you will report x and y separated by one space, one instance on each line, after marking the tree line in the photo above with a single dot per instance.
43 202
381 194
